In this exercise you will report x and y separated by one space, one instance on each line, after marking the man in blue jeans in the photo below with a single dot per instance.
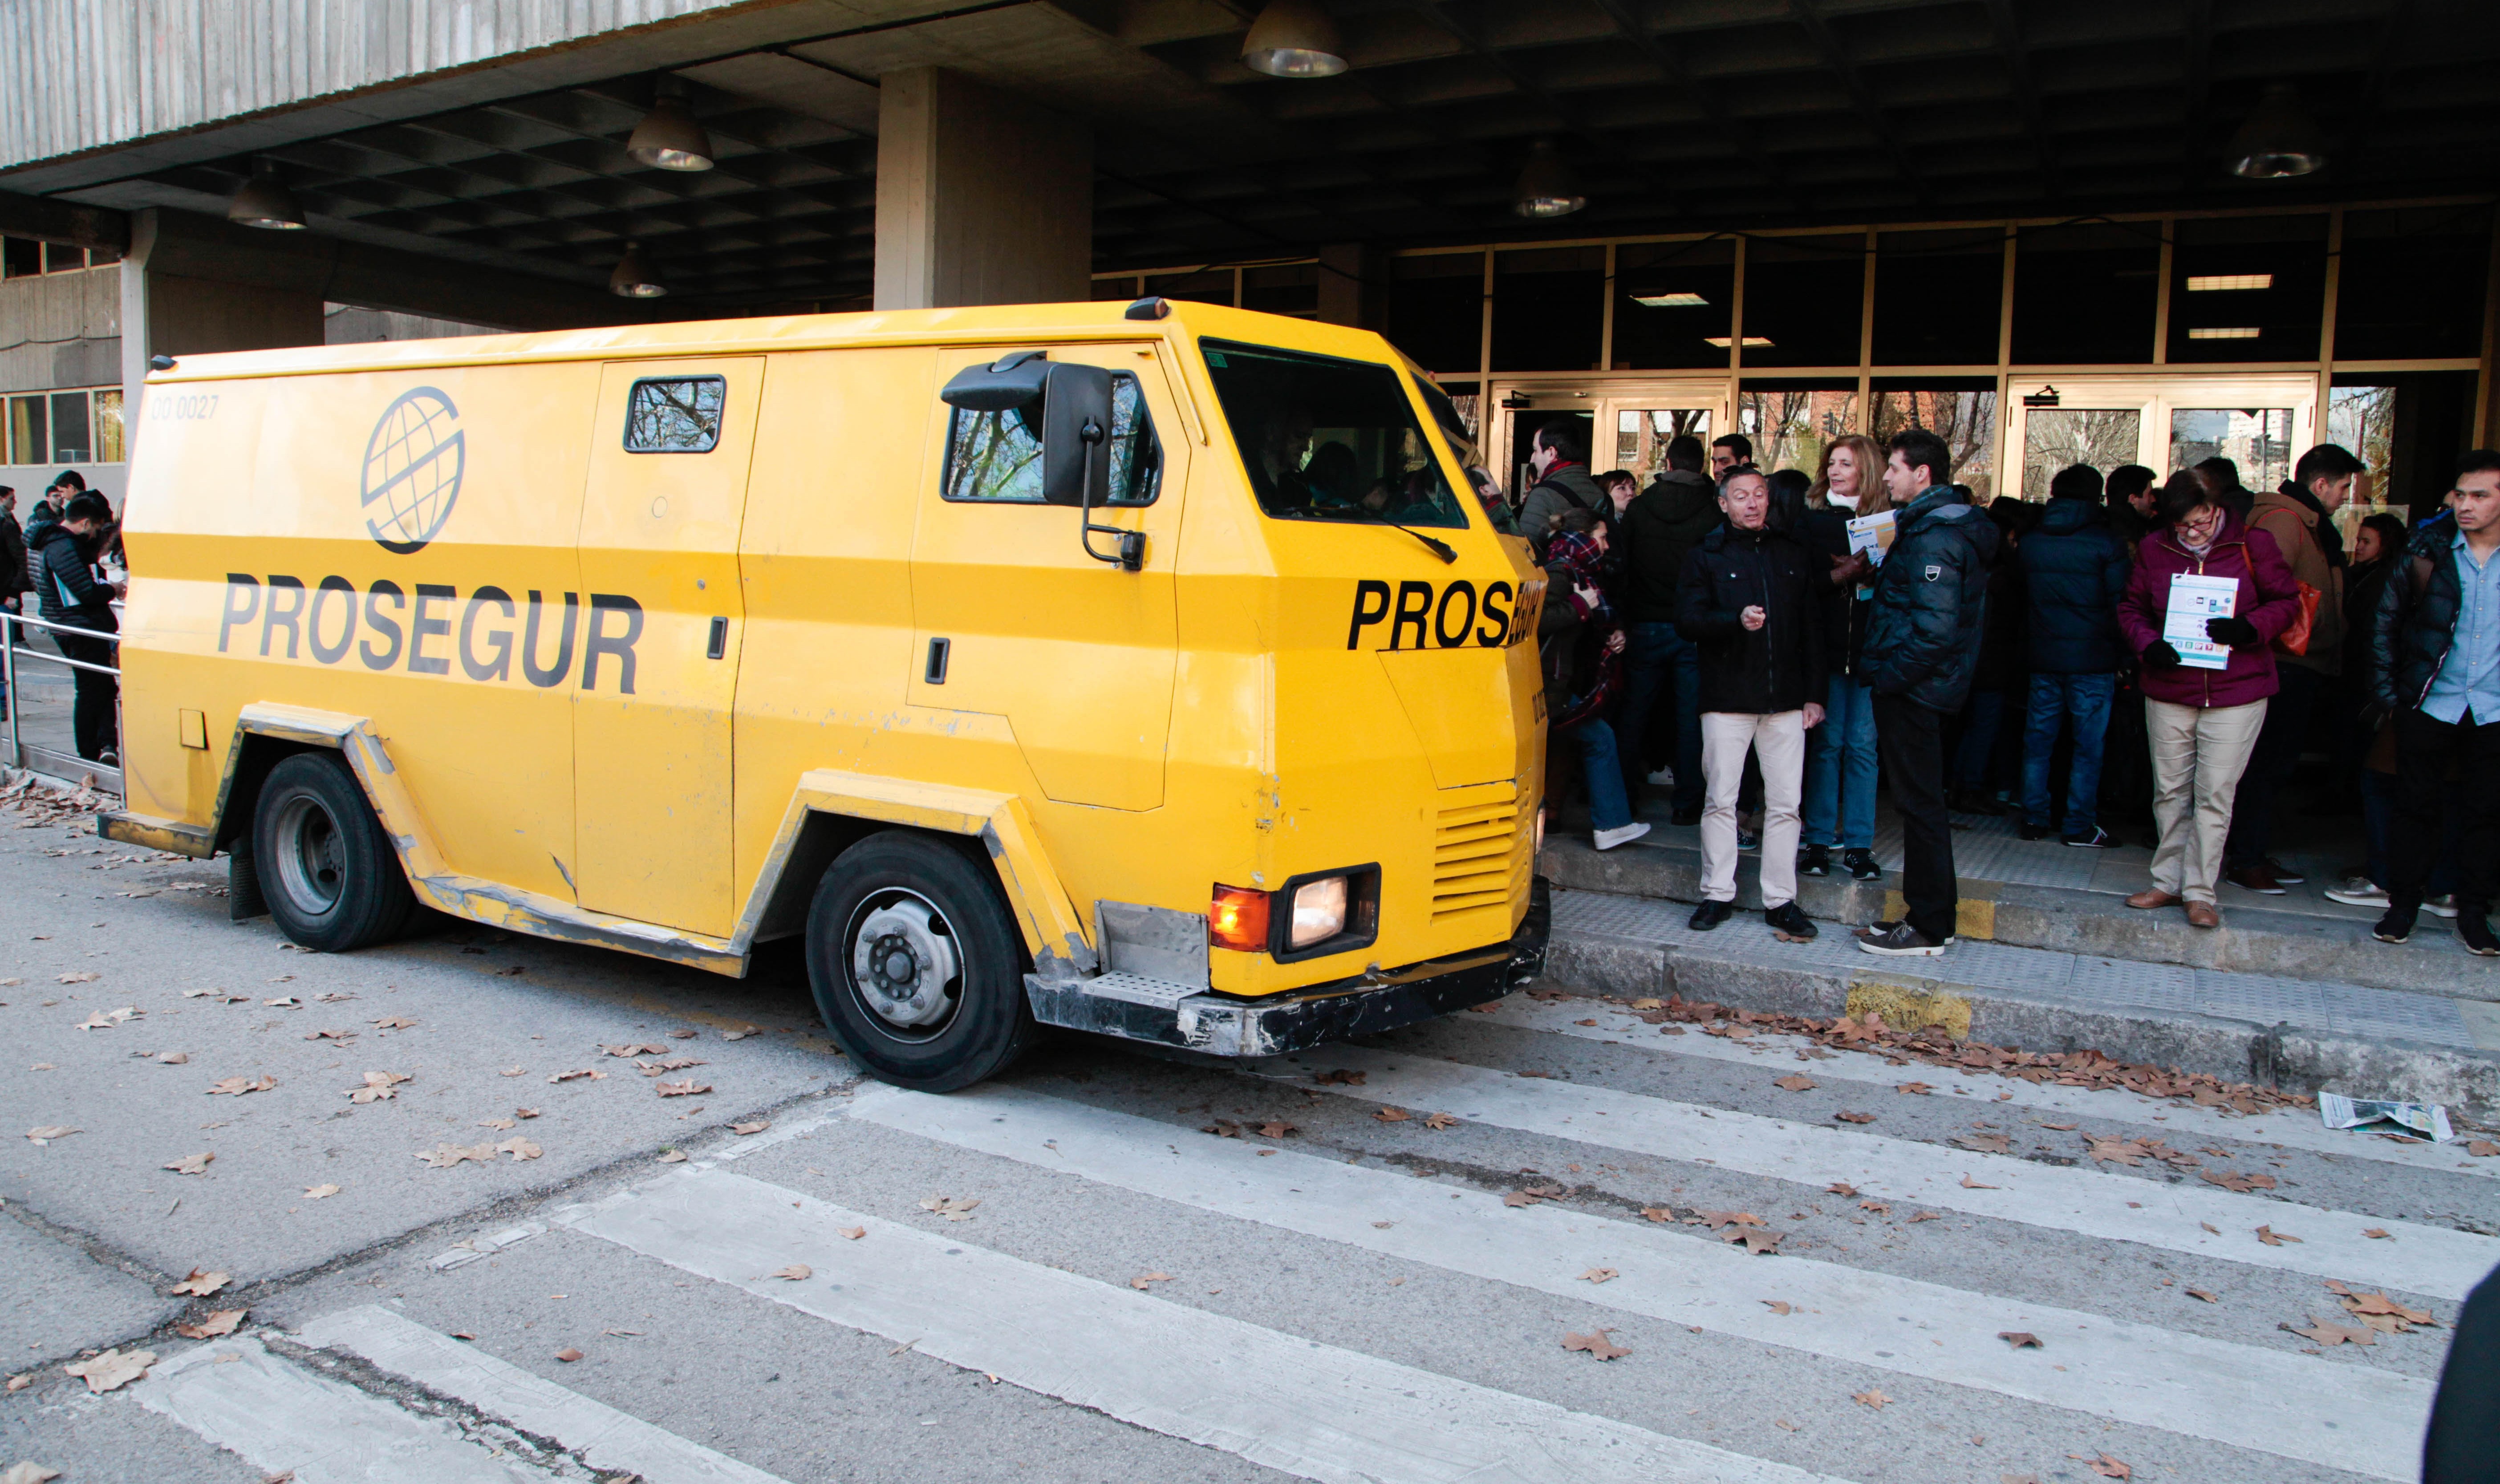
2074 570
1660 525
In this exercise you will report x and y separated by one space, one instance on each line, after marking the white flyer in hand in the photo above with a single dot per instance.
2193 600
1872 535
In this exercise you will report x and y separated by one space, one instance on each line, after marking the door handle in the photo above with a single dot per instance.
719 645
935 673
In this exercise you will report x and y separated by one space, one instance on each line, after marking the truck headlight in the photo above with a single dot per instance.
1319 912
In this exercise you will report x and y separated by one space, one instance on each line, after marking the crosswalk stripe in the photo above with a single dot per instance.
2418 1259
281 1417
2342 1416
2298 1129
601 1435
1305 1409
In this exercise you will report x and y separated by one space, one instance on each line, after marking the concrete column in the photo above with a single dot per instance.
1353 290
171 314
981 197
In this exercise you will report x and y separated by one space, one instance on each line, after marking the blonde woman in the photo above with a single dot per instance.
1840 765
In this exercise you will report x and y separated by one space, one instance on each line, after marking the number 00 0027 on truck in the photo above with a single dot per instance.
1152 672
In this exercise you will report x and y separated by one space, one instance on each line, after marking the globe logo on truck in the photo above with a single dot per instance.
412 467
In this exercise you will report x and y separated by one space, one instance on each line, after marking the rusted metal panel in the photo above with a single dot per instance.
91 74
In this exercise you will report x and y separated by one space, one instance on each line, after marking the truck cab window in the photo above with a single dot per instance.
995 457
674 414
1325 439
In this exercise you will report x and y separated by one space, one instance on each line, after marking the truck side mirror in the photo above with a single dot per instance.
1076 436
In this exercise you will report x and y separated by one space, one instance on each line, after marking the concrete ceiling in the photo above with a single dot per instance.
1677 114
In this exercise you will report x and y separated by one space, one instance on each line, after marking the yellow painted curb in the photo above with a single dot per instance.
1974 917
1907 1007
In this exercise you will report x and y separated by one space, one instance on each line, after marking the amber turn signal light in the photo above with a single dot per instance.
1237 918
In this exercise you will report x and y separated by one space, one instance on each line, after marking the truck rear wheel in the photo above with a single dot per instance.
332 881
916 966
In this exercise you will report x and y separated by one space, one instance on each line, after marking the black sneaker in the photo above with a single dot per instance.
2098 840
2397 925
1789 918
1814 861
1709 914
1861 866
1898 939
2284 873
1687 816
2474 930
2026 830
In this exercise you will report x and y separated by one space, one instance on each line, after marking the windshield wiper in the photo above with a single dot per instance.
1363 516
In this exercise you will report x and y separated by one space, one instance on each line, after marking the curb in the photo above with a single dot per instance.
2277 1056
2296 945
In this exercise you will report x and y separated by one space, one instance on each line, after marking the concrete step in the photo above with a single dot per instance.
2300 1034
2303 936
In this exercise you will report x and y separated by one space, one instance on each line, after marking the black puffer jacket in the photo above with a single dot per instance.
1844 613
2416 618
1661 526
2074 571
1778 667
1930 603
65 585
13 558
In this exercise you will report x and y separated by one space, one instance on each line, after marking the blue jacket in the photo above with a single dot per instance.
1930 603
2075 567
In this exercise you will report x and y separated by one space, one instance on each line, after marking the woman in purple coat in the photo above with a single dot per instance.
2202 721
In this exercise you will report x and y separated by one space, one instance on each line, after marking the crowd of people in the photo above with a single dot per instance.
1765 643
56 561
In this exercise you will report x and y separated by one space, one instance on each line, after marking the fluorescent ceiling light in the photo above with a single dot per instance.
2223 332
2218 282
1670 301
1752 342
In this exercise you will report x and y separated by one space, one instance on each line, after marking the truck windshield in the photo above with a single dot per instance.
1325 439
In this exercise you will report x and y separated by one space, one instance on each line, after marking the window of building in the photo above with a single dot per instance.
2258 439
1939 297
2247 288
2407 426
1282 288
82 426
1805 298
1959 410
2053 438
1790 422
1549 309
1672 303
20 257
995 457
2412 284
1437 309
674 414
31 430
24 257
1205 285
2085 294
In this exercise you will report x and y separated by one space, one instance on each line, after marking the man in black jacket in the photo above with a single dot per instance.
1751 600
1661 668
1921 652
62 567
1559 456
2074 570
2435 652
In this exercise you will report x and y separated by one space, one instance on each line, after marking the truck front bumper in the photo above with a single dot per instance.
1201 1020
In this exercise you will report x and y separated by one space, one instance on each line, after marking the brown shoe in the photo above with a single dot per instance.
2154 897
2256 878
2201 914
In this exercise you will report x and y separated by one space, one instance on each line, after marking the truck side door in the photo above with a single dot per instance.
1014 619
662 620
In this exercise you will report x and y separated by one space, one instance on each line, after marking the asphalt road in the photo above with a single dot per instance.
1313 1290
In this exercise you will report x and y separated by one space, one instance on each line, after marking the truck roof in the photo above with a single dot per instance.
1027 323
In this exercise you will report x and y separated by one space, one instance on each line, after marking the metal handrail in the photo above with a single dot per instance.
107 635
9 652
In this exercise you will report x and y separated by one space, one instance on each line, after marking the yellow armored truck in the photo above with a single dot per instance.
1146 669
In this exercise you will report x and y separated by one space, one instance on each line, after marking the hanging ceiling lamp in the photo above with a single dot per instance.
1294 39
1545 185
668 136
265 202
2279 137
635 278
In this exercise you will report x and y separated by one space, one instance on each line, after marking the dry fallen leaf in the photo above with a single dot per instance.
512 1072
1874 1399
23 1472
394 1023
684 1035
1598 1274
1925 1216
222 1322
200 1284
1341 1077
519 1149
48 1133
2274 1238
1855 1117
111 1369
1779 1306
525 1112
1596 1344
1967 1183
674 1157
1439 1121
2373 1232
742 1033
377 1086
796 1272
445 1155
1915 1089
2327 1336
2198 1293
332 998
237 1086
320 1191
327 1035
568 1355
2062 1127
1795 1082
174 1058
84 977
190 1163
1986 1143
2481 1149
1841 1188
852 1233
950 1207
2020 1339
2233 1181
1393 1116
757 1127
642 1049
686 1089
1756 1244
1717 1219
2106 1467
497 1124
1144 1281
577 1074
1278 1128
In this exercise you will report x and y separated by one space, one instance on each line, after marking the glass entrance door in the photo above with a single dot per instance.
2166 423
1628 424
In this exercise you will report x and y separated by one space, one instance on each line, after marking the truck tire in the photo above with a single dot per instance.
331 878
916 966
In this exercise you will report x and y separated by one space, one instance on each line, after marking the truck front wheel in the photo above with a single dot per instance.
332 881
916 966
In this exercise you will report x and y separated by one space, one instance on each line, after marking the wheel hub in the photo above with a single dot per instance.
904 963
